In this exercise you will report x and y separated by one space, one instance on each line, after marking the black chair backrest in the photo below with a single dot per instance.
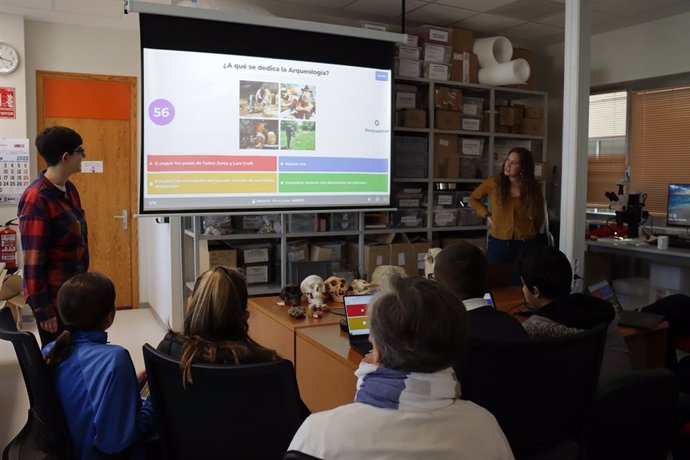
538 390
297 455
244 411
47 425
633 417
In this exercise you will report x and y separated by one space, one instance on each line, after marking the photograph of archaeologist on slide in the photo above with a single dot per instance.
297 101
297 135
258 99
258 134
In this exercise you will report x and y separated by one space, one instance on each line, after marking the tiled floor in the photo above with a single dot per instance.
132 328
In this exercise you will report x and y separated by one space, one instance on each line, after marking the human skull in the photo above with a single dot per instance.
291 295
312 286
430 261
337 287
382 271
360 287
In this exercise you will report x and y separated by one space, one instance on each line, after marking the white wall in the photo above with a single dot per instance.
654 49
72 48
12 32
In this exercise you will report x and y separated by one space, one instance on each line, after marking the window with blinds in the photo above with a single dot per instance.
659 143
606 159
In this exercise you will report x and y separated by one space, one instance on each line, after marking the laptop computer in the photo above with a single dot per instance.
489 299
629 318
356 307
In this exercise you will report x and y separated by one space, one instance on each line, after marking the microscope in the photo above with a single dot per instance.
628 207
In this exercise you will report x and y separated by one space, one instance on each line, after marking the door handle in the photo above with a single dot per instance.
124 219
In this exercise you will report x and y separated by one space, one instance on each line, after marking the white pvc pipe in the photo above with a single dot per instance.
508 73
492 50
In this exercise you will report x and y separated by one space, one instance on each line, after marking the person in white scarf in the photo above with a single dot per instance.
407 404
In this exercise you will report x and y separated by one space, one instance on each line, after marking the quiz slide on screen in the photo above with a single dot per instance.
263 131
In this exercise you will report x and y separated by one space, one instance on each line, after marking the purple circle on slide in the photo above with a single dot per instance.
161 111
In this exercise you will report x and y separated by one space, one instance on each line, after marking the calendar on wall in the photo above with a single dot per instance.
15 170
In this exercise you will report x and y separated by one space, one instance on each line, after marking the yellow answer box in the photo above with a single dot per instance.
185 183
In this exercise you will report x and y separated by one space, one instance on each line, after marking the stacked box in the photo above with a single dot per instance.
413 118
256 259
447 98
410 158
533 123
464 67
434 34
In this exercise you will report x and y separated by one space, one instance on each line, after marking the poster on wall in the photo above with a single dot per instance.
14 169
8 103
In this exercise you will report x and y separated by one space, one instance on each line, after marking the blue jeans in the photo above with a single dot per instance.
509 251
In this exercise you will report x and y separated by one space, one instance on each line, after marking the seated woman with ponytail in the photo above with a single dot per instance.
215 325
95 381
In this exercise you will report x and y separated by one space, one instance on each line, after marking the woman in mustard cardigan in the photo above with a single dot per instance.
517 208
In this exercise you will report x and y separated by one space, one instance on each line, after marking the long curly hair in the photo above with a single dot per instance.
215 323
529 188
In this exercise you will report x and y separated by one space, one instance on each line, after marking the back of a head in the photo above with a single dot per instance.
462 269
417 324
53 142
548 269
85 301
217 308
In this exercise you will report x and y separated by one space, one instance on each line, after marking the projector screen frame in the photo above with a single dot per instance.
206 45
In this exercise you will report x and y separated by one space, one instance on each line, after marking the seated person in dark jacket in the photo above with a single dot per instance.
215 325
94 380
546 278
462 269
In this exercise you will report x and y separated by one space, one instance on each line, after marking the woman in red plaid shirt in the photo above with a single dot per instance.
53 227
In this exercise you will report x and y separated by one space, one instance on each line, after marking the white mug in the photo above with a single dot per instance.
662 242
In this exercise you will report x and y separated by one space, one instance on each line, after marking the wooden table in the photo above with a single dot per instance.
647 346
270 325
325 367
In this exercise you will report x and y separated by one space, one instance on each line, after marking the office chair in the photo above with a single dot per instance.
538 390
229 412
297 455
45 434
633 417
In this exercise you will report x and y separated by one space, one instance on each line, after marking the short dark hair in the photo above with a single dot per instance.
417 324
461 268
53 142
85 301
548 269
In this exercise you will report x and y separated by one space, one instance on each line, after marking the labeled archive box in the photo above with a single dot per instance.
447 98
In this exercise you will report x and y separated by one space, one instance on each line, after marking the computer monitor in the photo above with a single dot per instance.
678 209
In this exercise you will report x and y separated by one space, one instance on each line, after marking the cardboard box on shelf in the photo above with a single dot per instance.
298 250
399 250
534 112
471 123
376 219
412 40
532 126
405 100
408 52
439 54
447 119
447 98
225 257
472 106
447 165
375 254
257 274
415 261
434 71
462 40
254 253
434 34
407 68
464 67
445 144
539 170
472 146
506 115
413 118
326 251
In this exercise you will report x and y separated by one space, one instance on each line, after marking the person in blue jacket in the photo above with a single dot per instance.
95 381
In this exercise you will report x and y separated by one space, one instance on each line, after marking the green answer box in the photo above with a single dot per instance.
334 182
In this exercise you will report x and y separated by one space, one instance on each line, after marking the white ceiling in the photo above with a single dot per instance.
525 22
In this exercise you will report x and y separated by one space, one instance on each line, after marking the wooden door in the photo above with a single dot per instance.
102 109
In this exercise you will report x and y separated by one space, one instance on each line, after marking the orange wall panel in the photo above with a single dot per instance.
102 100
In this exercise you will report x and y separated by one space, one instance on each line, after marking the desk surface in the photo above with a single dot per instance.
269 306
638 248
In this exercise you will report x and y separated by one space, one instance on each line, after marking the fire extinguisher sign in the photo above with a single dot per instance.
14 169
8 103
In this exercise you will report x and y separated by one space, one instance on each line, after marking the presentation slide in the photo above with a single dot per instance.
236 132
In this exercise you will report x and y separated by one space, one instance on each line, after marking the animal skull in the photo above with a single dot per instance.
291 295
312 286
382 271
360 287
337 287
430 261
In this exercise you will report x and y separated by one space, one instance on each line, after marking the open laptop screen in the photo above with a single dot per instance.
489 300
603 290
356 314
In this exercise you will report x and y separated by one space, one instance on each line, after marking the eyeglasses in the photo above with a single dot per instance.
80 151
